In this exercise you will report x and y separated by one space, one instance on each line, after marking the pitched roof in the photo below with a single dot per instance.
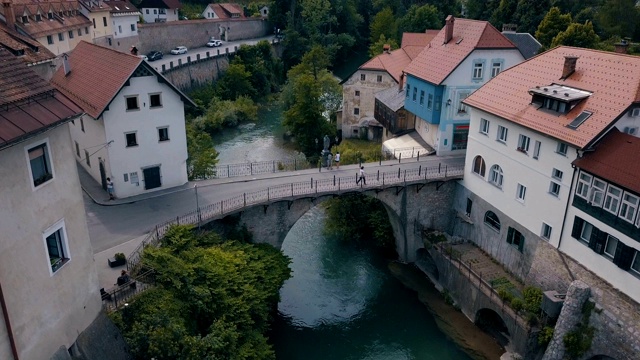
439 59
414 43
160 4
29 50
615 160
613 80
92 64
122 7
226 10
28 104
95 5
526 43
392 97
45 27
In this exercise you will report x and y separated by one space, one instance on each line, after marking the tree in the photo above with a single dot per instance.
551 25
318 18
201 156
529 14
384 23
376 48
420 18
235 82
481 9
505 13
618 17
578 35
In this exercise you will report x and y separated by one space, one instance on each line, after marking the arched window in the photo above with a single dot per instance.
479 166
495 176
491 219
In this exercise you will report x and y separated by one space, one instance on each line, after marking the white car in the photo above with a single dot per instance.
179 50
143 57
214 43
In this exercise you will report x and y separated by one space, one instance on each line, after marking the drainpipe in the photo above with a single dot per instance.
5 313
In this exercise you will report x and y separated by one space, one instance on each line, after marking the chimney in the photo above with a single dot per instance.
569 66
9 15
386 48
448 29
401 83
65 64
621 47
509 28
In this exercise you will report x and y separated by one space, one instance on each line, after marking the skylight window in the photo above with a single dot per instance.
579 120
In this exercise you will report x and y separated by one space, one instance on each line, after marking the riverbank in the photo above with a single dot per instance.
452 322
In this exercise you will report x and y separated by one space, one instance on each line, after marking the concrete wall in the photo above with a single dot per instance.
196 33
197 72
90 136
122 25
47 309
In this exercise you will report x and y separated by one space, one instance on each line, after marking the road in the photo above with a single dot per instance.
110 226
231 45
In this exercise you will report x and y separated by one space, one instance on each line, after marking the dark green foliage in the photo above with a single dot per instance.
578 35
201 155
420 18
532 299
545 336
551 25
361 219
578 341
529 14
481 9
505 13
212 300
384 23
378 47
266 70
517 304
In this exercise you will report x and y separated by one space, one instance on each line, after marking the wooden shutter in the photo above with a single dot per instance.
624 256
577 228
598 240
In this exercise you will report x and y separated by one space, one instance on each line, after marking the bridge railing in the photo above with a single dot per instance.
310 187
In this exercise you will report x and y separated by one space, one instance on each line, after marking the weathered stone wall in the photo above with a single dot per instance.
196 33
197 71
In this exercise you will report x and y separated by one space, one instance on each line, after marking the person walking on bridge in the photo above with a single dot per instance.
362 177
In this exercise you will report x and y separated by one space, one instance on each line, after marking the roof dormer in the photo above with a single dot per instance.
557 98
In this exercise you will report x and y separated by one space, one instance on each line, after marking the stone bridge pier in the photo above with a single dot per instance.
411 208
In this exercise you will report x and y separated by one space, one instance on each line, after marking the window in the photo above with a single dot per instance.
495 176
479 166
94 22
133 27
50 16
56 244
546 231
562 149
495 68
104 21
163 134
523 143
430 101
437 103
477 71
610 246
554 189
126 177
120 29
155 11
462 108
585 233
597 192
363 77
77 149
629 207
515 238
635 264
582 189
356 111
134 178
484 126
521 192
25 19
379 78
556 174
502 133
415 94
469 206
40 164
536 150
491 219
612 199
86 30
155 100
407 92
70 34
422 98
49 39
131 139
357 92
132 103
79 32
82 124
147 10
60 37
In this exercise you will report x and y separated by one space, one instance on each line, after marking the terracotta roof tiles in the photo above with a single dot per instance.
45 27
225 10
29 50
613 79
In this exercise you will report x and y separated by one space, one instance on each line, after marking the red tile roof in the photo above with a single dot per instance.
28 104
438 60
45 27
90 65
123 7
29 50
613 79
615 160
224 11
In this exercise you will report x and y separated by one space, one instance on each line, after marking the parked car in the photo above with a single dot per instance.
179 50
143 57
154 55
214 43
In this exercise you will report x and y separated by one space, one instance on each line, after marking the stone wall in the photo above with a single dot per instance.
197 71
195 33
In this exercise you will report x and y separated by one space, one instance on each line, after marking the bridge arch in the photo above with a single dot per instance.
492 323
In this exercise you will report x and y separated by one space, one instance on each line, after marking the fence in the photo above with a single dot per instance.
293 190
116 297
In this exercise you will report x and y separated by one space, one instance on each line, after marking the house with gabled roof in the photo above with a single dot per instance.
463 56
99 13
133 130
526 43
34 54
159 10
381 72
48 279
57 24
223 11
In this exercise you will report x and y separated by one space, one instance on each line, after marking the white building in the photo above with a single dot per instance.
223 11
134 128
159 10
124 17
49 283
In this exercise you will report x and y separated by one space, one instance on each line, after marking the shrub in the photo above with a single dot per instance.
120 256
517 304
545 336
505 295
532 299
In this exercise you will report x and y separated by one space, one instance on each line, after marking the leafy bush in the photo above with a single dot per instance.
352 151
545 336
532 299
517 304
505 295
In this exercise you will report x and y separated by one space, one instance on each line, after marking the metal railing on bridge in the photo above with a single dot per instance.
291 191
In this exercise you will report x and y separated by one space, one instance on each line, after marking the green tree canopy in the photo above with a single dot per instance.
481 9
235 82
420 18
201 156
578 35
551 25
384 23
618 18
376 48
529 14
505 13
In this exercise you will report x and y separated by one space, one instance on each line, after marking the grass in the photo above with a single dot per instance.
352 151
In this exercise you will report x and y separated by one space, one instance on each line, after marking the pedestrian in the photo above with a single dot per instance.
110 189
362 178
329 159
337 160
123 278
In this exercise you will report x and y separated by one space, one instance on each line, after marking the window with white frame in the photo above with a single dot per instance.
554 189
536 150
496 176
131 139
492 220
40 165
610 246
163 134
557 174
484 126
523 143
629 207
502 133
584 182
496 67
635 264
77 148
132 103
462 107
87 158
562 148
55 241
430 101
155 101
585 233
479 166
515 238
477 71
546 231
421 97
521 192
415 93
596 198
612 199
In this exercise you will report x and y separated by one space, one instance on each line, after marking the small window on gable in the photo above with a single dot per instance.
496 67
155 100
477 71
131 139
635 112
491 219
25 19
50 16
38 17
132 103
